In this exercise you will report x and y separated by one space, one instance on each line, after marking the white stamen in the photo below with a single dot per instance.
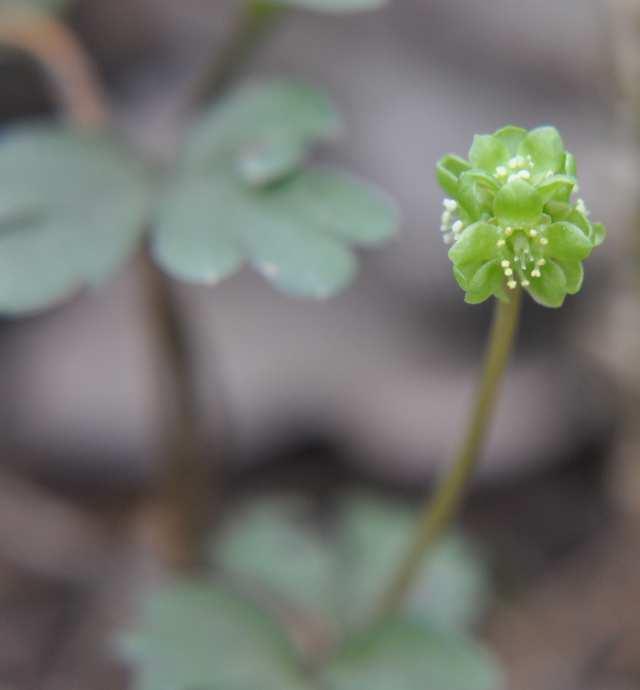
533 233
508 232
450 204
541 262
535 273
524 174
525 283
512 285
457 226
500 243
544 240
581 207
501 171
505 264
508 272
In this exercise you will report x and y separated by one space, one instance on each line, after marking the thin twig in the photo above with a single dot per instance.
256 18
55 48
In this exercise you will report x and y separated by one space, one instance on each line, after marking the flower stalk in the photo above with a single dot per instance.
438 513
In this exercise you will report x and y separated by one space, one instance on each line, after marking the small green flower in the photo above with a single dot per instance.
511 220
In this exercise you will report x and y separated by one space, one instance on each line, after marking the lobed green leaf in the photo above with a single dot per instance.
407 655
296 234
263 130
75 206
195 634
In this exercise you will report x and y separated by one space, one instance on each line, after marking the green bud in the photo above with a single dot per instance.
511 220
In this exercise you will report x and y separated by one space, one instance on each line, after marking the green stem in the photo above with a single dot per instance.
184 493
439 512
257 17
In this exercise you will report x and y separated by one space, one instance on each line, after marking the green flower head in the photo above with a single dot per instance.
511 220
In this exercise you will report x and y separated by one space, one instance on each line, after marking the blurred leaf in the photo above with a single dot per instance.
46 5
262 130
273 546
239 196
341 573
404 655
453 589
333 5
72 209
296 234
197 636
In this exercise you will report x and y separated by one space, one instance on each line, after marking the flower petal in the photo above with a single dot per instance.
556 188
487 281
570 165
448 169
487 152
475 198
550 288
476 245
567 242
518 203
599 234
574 274
511 136
545 147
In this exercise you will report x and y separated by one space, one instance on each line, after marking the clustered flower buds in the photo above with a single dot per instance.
510 218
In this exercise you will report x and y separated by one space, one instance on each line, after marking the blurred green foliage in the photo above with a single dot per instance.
326 575
73 206
72 210
241 194
333 5
46 5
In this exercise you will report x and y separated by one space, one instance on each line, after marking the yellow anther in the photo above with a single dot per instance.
512 285
544 240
